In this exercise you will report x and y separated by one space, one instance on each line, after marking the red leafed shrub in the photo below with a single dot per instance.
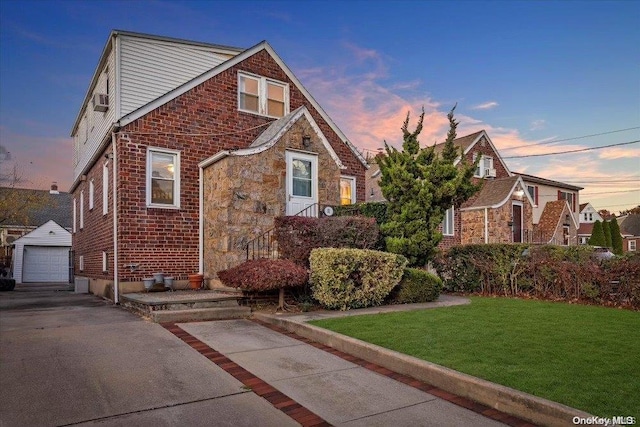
297 235
264 275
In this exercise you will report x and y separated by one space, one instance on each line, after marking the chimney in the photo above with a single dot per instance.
54 188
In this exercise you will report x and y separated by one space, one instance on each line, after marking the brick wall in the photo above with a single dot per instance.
166 240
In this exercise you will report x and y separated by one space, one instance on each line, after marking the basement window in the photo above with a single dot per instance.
163 178
262 96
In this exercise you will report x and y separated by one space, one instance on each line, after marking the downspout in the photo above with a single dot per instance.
486 225
200 221
116 284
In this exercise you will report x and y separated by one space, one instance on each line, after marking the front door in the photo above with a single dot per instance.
517 223
302 183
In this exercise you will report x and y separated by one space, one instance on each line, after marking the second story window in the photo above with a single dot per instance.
569 197
485 166
262 96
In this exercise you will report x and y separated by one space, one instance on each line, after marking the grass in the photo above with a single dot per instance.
585 357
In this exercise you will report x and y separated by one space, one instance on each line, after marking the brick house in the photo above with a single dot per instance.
186 150
630 231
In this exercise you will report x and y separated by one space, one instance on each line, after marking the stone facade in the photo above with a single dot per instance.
473 223
243 195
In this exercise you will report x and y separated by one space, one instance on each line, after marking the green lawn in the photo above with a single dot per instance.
582 356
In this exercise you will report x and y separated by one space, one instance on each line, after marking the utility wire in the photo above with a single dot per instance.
568 139
572 151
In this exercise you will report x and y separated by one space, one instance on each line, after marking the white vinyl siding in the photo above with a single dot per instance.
151 68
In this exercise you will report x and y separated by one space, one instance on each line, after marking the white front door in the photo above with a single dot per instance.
302 183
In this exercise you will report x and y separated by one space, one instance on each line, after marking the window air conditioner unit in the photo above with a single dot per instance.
9 239
100 102
490 173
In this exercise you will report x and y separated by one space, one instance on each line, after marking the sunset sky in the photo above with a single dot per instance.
529 73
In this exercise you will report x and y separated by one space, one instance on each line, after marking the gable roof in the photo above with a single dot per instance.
582 206
48 234
496 192
630 225
586 228
56 207
468 142
145 109
549 182
552 216
272 134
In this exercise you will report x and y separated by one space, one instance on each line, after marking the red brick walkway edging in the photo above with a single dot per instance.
405 379
278 399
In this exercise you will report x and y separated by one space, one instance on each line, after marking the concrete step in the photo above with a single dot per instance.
187 315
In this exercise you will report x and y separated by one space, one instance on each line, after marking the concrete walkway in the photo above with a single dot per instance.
336 390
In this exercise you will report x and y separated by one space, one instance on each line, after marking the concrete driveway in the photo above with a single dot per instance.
68 359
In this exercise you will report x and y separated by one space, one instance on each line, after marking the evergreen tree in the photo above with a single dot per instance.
616 236
607 233
420 185
597 235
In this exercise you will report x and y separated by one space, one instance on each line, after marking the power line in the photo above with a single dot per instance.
604 181
573 151
569 139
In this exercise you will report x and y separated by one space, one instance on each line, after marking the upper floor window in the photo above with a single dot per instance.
347 190
447 224
163 178
485 166
262 96
533 192
91 193
569 197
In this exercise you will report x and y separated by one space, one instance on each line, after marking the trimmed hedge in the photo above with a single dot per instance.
417 286
297 235
353 278
264 274
548 272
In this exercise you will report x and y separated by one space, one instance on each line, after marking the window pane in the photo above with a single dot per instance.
345 192
302 187
275 92
162 191
248 102
248 85
301 168
162 165
275 108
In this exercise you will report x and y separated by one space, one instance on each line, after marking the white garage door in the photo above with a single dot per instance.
45 264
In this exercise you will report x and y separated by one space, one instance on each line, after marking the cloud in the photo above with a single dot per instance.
619 153
538 124
486 106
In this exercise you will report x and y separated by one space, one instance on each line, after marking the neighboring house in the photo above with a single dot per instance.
501 212
557 225
630 231
42 255
588 216
184 151
33 208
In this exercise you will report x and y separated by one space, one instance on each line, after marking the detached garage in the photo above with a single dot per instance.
42 255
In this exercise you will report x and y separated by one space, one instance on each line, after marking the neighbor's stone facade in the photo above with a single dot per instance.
243 195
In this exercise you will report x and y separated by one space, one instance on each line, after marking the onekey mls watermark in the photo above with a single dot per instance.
603 421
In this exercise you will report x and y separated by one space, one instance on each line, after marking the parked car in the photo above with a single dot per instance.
601 253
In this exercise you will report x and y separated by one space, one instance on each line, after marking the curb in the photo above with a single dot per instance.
513 402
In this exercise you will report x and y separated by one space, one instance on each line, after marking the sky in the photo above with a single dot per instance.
538 76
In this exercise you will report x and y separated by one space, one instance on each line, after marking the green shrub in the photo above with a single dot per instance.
297 235
353 278
417 286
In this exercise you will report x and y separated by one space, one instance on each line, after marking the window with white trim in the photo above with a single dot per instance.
347 190
569 197
81 262
262 96
448 228
91 191
631 246
163 178
533 192
105 188
75 215
104 261
485 166
81 209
